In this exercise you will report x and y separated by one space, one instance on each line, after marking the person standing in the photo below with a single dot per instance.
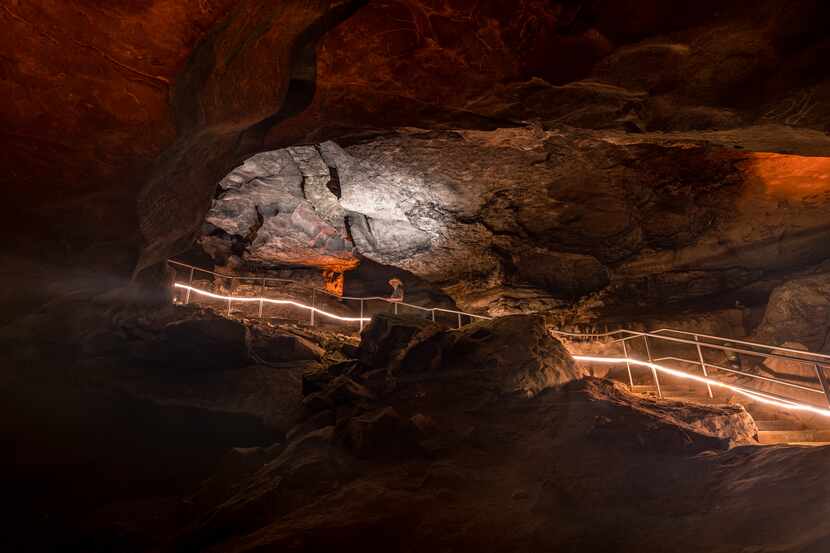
397 289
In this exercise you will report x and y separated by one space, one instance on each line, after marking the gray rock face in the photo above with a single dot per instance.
501 356
526 219
310 205
799 311
280 204
207 343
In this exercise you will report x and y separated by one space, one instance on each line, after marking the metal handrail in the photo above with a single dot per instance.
743 373
632 334
743 342
314 290
623 335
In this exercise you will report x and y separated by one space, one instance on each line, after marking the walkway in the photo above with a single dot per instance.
678 364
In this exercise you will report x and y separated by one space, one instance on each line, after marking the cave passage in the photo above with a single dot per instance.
415 276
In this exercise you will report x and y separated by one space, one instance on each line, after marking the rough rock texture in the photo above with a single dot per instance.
205 343
122 117
648 152
530 215
505 473
279 203
635 66
799 311
504 355
108 415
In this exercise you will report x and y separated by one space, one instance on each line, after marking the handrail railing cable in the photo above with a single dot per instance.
704 342
675 337
314 290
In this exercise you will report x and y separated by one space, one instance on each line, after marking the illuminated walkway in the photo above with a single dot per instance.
666 353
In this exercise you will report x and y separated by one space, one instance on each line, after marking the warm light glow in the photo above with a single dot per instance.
757 396
788 176
273 301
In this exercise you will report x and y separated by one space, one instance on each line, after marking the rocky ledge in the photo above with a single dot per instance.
426 442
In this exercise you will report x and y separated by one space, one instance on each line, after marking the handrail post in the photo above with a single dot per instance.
653 370
395 307
459 320
190 285
628 365
261 295
229 306
361 315
433 314
703 366
313 298
823 381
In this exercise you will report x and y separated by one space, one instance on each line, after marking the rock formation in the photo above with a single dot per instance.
799 310
634 162
486 214
165 119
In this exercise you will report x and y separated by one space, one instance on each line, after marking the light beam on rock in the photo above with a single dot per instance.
272 301
757 396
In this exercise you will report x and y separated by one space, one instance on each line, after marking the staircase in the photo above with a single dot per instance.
771 430
702 352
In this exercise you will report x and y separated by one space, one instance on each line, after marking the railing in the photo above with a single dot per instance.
316 295
736 353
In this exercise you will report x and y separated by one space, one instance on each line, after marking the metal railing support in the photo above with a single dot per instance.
229 307
433 314
189 283
459 320
653 370
361 315
313 300
395 307
823 381
628 365
261 295
703 366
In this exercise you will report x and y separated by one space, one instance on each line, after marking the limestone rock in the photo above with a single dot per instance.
340 391
563 274
507 355
383 433
388 337
664 426
208 342
280 205
799 311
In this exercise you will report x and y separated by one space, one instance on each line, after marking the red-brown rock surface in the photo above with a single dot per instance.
117 115
119 118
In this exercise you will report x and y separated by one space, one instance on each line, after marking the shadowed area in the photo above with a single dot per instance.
194 186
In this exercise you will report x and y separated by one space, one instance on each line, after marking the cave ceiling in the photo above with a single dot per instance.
535 151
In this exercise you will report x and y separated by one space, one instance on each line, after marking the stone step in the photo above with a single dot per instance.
778 424
812 437
770 431
645 388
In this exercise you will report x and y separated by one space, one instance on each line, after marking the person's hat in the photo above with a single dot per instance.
395 282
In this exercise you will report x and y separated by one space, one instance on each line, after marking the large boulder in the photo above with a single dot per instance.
629 420
205 342
564 275
380 434
388 337
505 355
799 311
793 371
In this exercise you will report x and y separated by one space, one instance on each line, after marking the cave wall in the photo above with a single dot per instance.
632 65
523 215
121 117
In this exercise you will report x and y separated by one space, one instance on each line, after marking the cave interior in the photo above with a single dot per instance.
356 274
